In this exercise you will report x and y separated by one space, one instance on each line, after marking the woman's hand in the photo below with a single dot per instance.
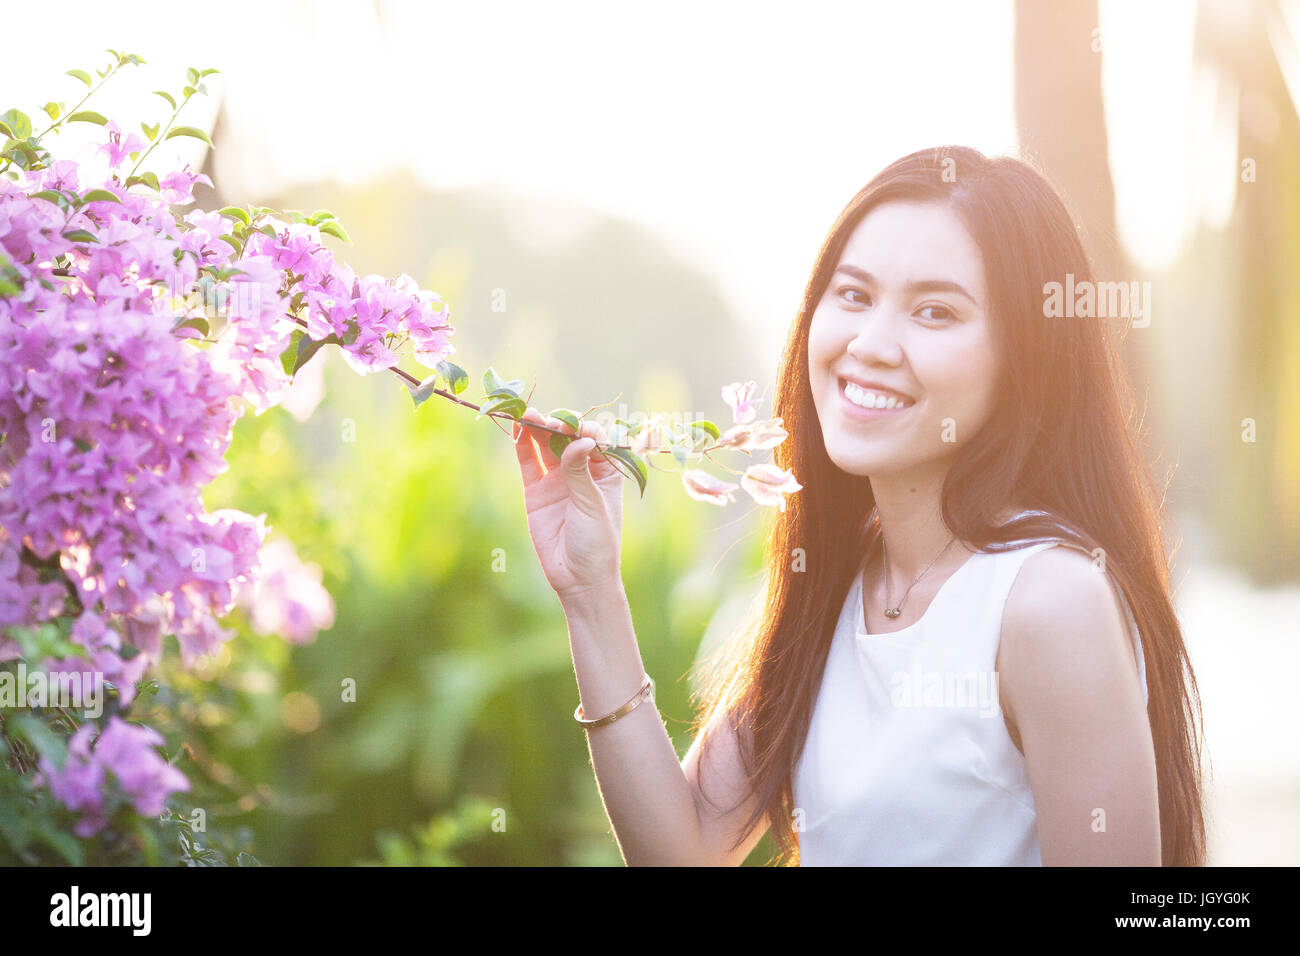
574 505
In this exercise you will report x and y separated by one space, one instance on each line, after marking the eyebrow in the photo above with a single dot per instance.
920 285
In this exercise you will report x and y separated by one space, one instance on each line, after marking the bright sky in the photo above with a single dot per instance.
736 137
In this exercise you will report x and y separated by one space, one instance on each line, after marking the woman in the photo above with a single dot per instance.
967 652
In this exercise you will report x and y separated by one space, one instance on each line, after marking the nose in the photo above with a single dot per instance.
877 341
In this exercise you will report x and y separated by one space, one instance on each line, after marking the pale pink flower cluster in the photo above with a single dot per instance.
767 484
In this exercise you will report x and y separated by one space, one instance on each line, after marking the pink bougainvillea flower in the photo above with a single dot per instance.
128 752
742 401
703 486
117 407
754 436
178 187
288 599
78 786
768 484
117 148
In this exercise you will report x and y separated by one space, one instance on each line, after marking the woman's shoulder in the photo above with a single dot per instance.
1063 616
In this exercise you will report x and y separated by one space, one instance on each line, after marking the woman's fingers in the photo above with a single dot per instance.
534 445
600 465
530 462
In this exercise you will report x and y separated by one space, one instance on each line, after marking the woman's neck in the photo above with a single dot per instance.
911 520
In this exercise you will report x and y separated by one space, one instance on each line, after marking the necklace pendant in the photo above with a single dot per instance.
893 612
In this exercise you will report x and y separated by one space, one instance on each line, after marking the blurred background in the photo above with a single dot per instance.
622 206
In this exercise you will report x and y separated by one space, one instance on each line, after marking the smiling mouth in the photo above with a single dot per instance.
873 400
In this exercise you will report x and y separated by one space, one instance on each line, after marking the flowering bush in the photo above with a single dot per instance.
134 335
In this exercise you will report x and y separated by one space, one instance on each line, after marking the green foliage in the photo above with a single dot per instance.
457 646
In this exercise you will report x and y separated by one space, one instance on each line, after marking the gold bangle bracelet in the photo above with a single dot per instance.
647 692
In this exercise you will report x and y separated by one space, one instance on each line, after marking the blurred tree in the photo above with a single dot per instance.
1257 514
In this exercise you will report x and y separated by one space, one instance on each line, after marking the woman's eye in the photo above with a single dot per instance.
848 290
944 314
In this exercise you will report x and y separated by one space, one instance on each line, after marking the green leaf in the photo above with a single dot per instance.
290 355
424 391
491 381
50 745
18 123
81 75
510 404
195 323
4 128
65 844
167 96
559 443
192 75
706 426
151 132
493 385
193 131
99 195
87 116
51 195
236 212
309 347
13 826
351 330
52 109
245 859
454 375
47 639
23 155
203 73
79 235
332 228
235 243
319 216
148 177
632 460
569 417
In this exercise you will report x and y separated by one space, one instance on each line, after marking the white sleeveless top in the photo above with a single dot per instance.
908 761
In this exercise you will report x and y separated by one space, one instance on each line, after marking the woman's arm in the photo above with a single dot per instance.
654 803
574 505
1068 682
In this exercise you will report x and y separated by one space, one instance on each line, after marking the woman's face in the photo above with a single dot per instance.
904 314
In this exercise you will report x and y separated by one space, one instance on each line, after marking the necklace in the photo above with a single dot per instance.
893 612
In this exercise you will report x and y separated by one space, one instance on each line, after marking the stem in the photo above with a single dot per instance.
451 397
59 122
90 92
162 135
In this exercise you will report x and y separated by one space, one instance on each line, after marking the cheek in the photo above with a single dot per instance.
816 334
956 366
961 376
821 350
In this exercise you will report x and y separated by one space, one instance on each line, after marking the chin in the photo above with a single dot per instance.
864 461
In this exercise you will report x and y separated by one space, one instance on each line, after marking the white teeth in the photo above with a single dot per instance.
860 396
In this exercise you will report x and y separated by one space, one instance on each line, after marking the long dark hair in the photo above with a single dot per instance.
1061 441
